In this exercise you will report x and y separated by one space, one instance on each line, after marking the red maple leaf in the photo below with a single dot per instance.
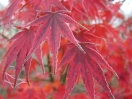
49 3
18 50
88 65
9 12
54 25
90 7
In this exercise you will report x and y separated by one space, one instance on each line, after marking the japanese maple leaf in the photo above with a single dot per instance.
88 65
49 3
18 50
90 6
27 15
86 36
31 13
34 2
107 31
9 12
54 24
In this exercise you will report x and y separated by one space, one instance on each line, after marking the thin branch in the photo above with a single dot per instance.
5 37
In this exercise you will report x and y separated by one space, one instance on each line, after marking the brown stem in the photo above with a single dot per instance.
4 36
50 70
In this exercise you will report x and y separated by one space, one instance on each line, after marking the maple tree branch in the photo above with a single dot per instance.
123 1
63 76
50 69
5 37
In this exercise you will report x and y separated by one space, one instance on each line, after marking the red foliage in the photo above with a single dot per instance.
88 65
72 38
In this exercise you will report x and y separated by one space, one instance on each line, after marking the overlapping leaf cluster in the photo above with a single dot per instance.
51 21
